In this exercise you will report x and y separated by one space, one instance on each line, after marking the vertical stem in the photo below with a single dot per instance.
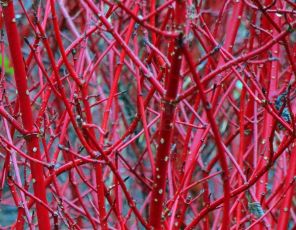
168 109
241 151
165 136
26 112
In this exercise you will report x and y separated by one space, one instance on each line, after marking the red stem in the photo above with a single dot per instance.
26 112
167 121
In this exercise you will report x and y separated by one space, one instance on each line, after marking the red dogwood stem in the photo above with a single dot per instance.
26 112
165 136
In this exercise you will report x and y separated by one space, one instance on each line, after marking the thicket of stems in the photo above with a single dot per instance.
175 114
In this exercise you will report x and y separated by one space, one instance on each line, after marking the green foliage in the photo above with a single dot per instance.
7 66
